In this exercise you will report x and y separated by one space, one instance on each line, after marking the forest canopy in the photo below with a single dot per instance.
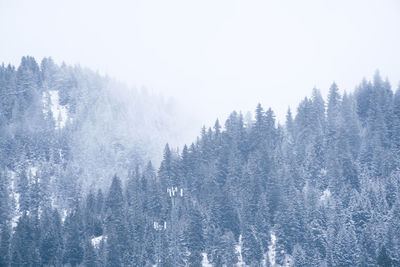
322 189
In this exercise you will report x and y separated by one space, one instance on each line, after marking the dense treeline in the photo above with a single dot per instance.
321 190
69 125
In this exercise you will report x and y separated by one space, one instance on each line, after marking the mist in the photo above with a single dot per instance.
213 57
111 154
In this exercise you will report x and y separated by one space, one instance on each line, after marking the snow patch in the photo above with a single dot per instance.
53 200
205 262
60 153
174 190
272 250
159 227
326 195
51 103
238 249
15 196
97 240
33 171
14 220
272 254
12 178
64 215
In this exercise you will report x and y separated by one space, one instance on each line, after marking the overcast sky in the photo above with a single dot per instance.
214 56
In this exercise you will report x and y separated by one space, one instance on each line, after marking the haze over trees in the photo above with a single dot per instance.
321 190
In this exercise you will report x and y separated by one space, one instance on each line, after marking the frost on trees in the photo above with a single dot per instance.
159 226
174 191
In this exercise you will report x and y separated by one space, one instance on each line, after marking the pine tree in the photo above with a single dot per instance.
93 225
346 250
299 257
221 248
225 216
251 250
333 119
28 84
73 232
396 128
23 190
90 257
384 259
50 246
194 238
116 230
5 230
24 250
5 238
166 173
334 101
114 249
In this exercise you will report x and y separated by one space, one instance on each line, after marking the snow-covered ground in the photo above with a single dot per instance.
64 215
238 248
33 171
59 112
15 196
272 254
325 197
272 250
205 262
97 240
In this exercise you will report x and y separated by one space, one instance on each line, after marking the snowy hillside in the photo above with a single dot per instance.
79 186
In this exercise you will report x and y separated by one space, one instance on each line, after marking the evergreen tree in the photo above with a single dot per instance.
384 259
251 250
166 173
50 247
5 238
114 249
23 190
194 238
24 251
325 185
90 257
73 233
116 229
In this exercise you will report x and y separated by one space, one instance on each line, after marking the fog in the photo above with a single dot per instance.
213 56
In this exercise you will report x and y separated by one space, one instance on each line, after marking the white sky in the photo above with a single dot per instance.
214 56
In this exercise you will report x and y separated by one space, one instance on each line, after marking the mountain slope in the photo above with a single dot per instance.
76 126
321 190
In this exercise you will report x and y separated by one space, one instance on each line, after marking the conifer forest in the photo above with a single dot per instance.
80 186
